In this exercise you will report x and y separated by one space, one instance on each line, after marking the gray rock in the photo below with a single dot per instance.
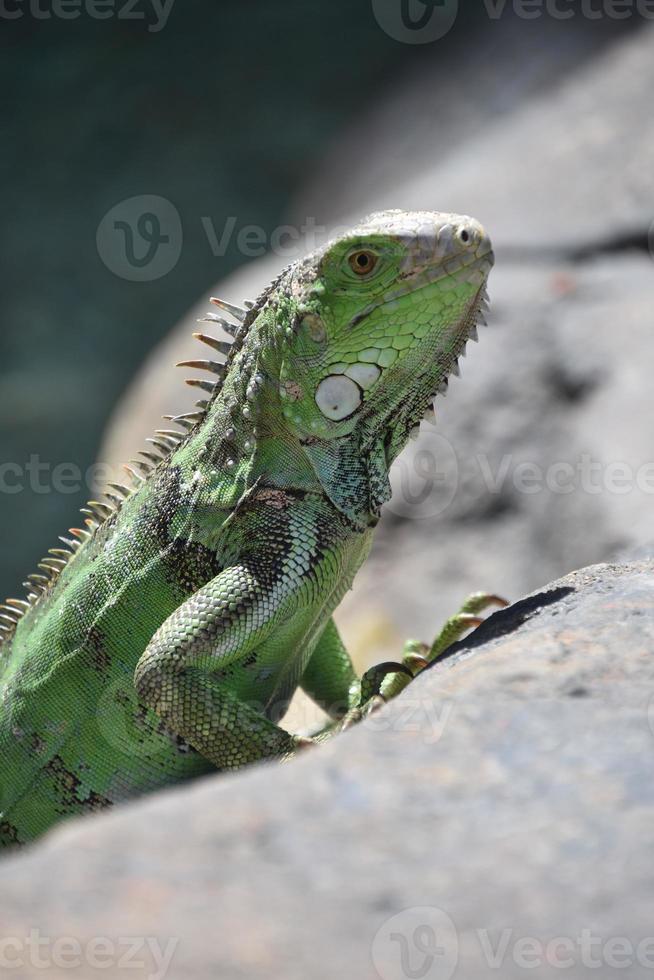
557 152
505 801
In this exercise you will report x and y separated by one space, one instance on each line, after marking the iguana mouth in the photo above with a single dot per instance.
443 268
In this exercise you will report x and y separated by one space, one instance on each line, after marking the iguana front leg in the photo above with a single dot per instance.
329 678
179 674
332 682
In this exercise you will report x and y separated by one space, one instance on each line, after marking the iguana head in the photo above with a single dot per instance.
382 314
351 345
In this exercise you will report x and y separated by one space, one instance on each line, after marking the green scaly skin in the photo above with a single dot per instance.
167 639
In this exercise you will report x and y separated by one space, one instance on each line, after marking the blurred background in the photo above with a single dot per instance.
158 152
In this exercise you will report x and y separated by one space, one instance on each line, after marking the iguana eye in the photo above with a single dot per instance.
362 262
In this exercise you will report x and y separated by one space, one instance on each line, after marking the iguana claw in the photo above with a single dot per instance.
373 678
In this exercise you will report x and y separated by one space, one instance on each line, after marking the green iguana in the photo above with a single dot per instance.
166 638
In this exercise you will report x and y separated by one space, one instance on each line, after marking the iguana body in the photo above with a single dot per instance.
170 639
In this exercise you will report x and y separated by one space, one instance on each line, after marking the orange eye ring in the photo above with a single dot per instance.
362 262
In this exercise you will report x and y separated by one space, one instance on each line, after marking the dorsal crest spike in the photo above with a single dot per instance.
97 512
18 603
121 489
54 564
187 421
79 533
101 510
141 465
9 615
222 346
150 457
171 436
229 328
214 367
236 311
208 386
164 442
161 444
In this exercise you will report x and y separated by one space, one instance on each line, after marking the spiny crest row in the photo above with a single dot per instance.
163 443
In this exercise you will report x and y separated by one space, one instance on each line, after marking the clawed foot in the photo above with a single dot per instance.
467 618
416 655
386 680
371 691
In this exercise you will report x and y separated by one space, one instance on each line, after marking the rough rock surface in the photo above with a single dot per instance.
570 165
504 802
